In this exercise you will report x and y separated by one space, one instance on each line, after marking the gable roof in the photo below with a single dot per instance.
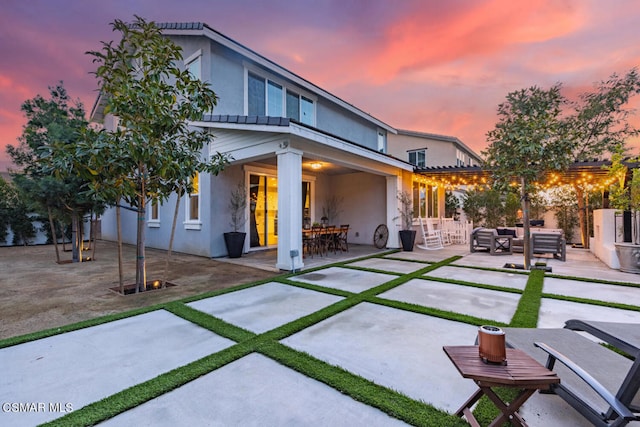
200 28
444 138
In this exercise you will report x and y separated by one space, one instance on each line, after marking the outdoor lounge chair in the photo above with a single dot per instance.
549 243
489 240
600 384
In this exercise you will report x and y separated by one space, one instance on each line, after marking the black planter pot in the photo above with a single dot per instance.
235 243
407 237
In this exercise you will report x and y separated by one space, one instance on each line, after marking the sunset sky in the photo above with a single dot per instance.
425 65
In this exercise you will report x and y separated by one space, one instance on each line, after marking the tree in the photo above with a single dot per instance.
598 125
54 127
451 205
472 205
154 150
563 200
526 143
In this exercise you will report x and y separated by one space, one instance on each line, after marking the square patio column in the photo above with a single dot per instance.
289 209
392 211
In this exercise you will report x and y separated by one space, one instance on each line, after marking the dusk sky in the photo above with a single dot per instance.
425 65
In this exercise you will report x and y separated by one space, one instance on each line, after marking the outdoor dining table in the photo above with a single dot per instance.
521 372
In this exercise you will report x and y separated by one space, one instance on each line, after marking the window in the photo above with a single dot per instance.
274 100
382 142
418 158
268 98
154 214
193 204
256 95
460 158
193 66
425 200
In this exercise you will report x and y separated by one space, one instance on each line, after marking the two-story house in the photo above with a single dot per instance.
428 150
295 148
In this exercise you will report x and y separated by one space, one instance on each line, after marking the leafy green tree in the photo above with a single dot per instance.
451 205
563 200
154 150
53 129
526 143
511 208
472 205
599 125
8 199
493 208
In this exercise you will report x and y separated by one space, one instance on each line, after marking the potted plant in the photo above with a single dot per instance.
626 198
237 205
407 233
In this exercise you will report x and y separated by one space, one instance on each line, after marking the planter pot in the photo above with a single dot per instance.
407 237
235 243
629 257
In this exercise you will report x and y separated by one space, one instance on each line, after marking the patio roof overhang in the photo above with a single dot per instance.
587 174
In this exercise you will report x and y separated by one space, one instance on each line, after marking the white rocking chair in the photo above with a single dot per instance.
431 240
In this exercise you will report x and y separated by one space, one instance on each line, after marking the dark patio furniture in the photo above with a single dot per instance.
549 243
600 384
489 240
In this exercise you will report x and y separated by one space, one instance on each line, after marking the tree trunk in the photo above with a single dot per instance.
141 269
92 238
119 231
173 230
582 217
54 234
525 225
75 253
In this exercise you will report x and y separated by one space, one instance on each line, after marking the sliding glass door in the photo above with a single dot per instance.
263 202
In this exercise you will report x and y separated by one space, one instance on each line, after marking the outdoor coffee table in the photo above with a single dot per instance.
521 372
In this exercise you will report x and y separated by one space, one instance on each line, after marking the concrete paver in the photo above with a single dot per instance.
270 394
553 313
599 291
345 279
394 348
80 367
391 265
494 278
265 307
478 302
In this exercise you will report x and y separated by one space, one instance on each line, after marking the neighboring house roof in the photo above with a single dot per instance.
178 28
444 138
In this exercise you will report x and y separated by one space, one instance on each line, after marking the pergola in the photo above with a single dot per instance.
588 175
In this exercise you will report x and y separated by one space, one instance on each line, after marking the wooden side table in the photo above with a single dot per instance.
521 372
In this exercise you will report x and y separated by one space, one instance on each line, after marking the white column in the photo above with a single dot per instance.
289 209
393 212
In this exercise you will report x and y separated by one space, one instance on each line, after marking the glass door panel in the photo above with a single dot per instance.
263 202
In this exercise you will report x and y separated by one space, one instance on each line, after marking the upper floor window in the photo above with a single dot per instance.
268 98
193 64
382 142
460 158
418 158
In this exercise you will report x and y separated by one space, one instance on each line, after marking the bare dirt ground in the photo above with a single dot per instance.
37 293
